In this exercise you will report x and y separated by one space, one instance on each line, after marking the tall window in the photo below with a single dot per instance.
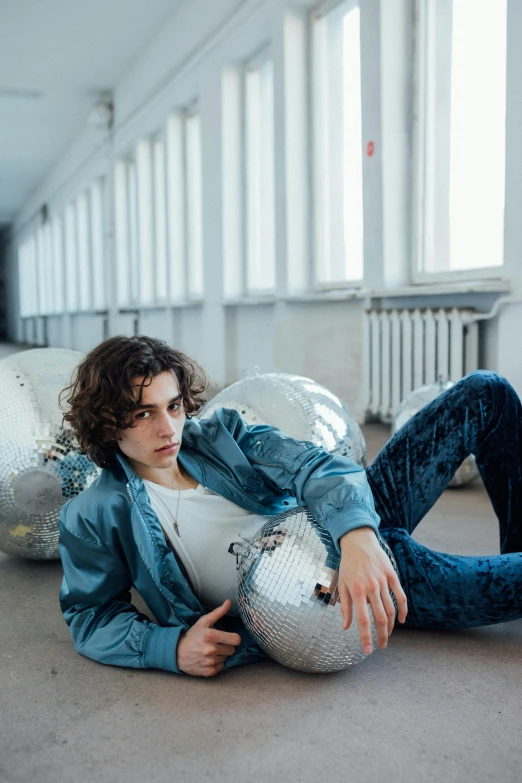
461 95
27 278
71 259
259 174
194 205
184 205
57 275
248 178
232 185
144 184
126 216
83 250
338 144
44 269
175 176
99 283
159 219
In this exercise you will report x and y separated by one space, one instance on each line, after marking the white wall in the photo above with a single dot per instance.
314 335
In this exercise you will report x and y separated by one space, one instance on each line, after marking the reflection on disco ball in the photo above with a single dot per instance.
298 406
416 400
287 595
40 467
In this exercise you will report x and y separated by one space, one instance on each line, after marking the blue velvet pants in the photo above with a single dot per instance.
480 415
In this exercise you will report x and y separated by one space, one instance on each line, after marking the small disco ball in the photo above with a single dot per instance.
287 595
40 467
416 400
298 406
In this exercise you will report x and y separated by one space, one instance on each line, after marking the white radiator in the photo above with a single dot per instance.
404 349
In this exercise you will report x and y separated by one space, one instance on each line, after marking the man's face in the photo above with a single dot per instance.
158 423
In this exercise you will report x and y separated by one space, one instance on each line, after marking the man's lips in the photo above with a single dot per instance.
169 447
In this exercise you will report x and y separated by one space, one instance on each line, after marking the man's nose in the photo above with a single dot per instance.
166 425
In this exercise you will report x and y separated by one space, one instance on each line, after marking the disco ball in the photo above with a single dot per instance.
416 400
287 597
298 406
40 467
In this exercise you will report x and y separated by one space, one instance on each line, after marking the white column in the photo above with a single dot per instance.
371 132
396 67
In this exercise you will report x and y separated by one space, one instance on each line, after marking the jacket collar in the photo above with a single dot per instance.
151 542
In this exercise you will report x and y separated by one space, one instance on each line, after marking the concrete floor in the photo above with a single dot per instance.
442 706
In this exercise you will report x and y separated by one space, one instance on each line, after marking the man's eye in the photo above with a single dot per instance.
142 415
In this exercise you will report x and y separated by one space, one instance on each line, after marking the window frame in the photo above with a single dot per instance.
70 258
254 64
58 253
28 277
97 226
84 250
127 230
319 113
194 228
419 217
160 263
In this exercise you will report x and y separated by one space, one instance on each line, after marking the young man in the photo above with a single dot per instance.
174 492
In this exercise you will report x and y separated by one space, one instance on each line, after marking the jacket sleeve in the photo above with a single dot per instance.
334 488
95 601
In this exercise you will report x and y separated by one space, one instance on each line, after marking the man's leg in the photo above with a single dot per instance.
452 591
480 415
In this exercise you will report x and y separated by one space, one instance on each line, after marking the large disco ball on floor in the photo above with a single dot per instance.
287 595
298 406
416 400
40 467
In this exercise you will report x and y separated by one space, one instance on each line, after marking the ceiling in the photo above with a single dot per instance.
56 57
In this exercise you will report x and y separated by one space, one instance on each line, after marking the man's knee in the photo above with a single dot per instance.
482 381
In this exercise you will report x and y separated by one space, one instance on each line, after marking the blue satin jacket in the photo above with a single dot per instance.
111 539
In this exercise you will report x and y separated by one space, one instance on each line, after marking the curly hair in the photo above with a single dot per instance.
101 396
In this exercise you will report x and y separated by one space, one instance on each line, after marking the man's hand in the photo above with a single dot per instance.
203 650
366 576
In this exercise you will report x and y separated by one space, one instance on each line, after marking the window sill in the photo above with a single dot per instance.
439 289
350 294
241 301
137 309
70 314
337 295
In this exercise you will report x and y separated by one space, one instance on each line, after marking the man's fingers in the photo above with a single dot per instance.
216 614
346 605
225 650
220 659
380 618
400 595
222 637
362 616
389 607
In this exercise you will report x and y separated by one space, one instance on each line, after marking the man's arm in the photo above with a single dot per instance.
334 488
95 601
338 495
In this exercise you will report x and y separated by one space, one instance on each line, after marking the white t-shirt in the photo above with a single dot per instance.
207 524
